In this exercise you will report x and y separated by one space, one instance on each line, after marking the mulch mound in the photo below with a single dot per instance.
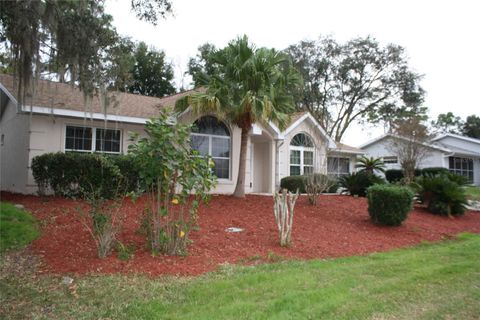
337 226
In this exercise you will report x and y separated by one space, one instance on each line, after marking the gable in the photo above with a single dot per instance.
305 121
459 143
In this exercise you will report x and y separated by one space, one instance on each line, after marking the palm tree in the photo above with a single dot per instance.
248 85
370 165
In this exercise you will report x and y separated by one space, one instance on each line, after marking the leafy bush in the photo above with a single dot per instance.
393 175
357 182
333 186
69 174
434 171
177 179
442 194
458 179
370 165
389 205
292 183
317 183
128 170
103 218
125 252
396 175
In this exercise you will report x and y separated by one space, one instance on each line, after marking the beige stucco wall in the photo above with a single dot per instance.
47 134
320 142
14 151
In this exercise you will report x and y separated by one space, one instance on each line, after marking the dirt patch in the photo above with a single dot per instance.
337 226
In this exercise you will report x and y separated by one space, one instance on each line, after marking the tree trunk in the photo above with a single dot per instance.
240 188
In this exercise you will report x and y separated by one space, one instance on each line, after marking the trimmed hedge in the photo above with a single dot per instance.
395 175
128 170
357 182
68 174
389 205
292 183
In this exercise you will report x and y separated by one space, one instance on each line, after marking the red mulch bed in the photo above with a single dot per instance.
337 226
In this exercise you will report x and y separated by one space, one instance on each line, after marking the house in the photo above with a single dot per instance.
57 118
459 154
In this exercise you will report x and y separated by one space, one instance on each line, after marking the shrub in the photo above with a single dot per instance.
103 219
292 183
357 182
69 174
168 164
396 175
393 175
128 170
333 186
125 252
389 205
434 171
442 194
315 184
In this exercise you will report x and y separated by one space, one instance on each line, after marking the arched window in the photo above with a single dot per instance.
212 137
301 155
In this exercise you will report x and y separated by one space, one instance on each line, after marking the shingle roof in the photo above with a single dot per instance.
295 116
63 96
347 148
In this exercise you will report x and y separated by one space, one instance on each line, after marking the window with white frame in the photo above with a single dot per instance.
211 137
337 166
88 139
462 167
390 159
301 155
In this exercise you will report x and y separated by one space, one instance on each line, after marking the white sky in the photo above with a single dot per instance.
442 38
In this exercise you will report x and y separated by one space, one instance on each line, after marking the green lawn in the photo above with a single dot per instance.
17 227
431 281
473 193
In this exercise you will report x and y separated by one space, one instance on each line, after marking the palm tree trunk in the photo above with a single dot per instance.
240 188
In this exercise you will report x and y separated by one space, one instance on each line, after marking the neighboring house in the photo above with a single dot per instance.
57 120
459 154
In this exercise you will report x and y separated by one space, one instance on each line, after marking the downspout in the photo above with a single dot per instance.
278 144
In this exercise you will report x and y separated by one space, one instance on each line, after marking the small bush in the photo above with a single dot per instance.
434 171
389 205
357 182
442 194
316 184
69 174
128 170
292 183
103 218
333 186
396 175
124 252
393 175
